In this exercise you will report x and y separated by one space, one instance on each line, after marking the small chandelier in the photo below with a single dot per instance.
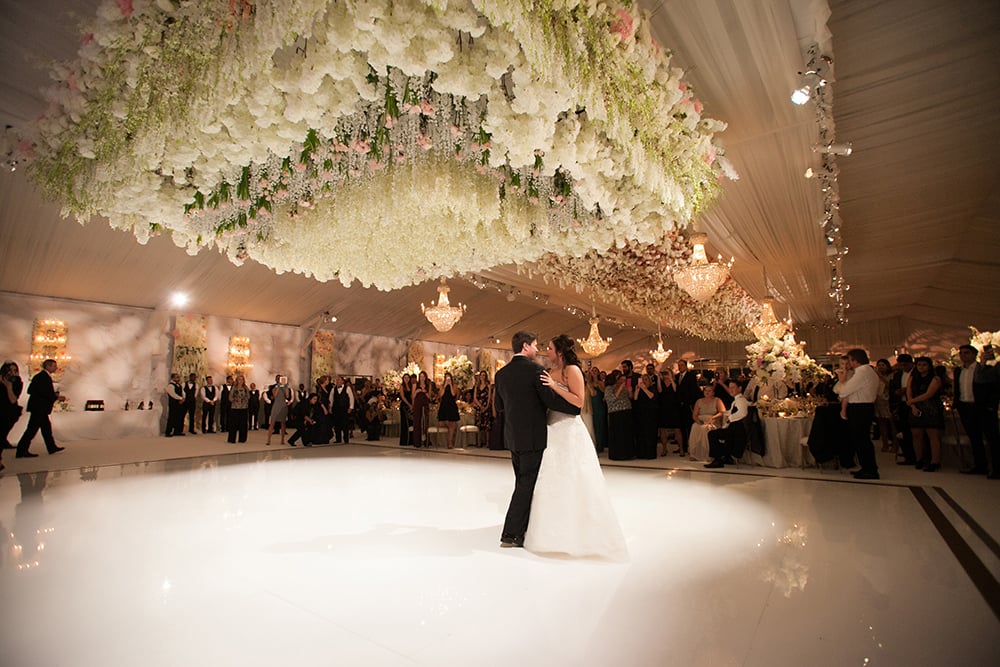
769 326
443 315
594 345
659 353
701 279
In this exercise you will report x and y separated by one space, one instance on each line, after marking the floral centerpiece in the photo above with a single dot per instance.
460 368
272 130
783 360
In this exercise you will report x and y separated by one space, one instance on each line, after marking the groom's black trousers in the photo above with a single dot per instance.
526 466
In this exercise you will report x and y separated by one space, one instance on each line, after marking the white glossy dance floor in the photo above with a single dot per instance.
375 556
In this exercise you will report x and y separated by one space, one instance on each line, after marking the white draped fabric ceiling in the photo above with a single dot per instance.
914 90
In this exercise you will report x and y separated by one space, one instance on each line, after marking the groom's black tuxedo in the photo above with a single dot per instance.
524 401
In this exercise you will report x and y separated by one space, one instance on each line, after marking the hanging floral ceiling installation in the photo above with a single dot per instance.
636 277
386 141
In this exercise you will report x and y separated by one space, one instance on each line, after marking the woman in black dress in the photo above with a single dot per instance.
405 409
421 409
10 409
644 404
481 401
923 395
669 412
448 409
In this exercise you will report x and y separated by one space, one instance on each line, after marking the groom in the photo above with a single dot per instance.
524 401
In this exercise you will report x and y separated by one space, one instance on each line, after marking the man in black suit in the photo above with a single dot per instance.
175 406
899 409
341 407
977 393
225 404
190 397
524 401
688 394
41 397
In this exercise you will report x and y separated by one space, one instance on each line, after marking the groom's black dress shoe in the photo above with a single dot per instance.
510 542
716 463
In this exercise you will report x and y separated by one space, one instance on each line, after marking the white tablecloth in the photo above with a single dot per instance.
782 437
80 425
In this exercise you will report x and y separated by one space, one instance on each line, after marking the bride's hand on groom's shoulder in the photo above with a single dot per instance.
547 379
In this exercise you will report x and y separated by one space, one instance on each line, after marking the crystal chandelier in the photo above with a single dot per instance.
701 279
443 315
769 326
659 353
594 345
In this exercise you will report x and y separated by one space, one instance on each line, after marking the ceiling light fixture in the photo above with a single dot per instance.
702 279
179 299
594 345
769 326
443 315
659 353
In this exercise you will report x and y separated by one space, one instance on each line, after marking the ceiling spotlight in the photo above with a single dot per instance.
811 80
178 299
834 149
809 173
511 294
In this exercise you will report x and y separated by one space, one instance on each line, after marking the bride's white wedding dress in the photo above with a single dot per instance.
571 512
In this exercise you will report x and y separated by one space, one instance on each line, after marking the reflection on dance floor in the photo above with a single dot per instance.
375 556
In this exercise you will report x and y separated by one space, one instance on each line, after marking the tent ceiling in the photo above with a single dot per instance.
914 91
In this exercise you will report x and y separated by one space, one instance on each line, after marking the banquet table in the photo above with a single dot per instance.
782 437
104 425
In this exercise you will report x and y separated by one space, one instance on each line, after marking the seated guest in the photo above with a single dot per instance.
725 443
306 416
707 415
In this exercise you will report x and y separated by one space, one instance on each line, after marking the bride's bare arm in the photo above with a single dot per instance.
574 379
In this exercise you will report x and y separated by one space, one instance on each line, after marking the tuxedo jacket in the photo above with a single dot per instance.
688 391
985 386
41 393
525 402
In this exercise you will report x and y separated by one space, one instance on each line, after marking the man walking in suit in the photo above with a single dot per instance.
524 401
41 397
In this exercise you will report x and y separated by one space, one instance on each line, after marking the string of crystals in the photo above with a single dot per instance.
826 175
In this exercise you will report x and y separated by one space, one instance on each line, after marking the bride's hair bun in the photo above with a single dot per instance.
565 346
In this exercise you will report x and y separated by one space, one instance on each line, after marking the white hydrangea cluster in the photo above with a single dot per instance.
304 134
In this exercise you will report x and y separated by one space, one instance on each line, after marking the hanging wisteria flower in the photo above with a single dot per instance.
254 126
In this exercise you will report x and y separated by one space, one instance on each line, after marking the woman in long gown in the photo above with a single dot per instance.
645 404
707 415
481 401
571 512
421 409
405 410
448 409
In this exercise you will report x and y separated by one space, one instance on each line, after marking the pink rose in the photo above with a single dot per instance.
125 7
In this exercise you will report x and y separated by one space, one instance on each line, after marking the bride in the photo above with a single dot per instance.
570 510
